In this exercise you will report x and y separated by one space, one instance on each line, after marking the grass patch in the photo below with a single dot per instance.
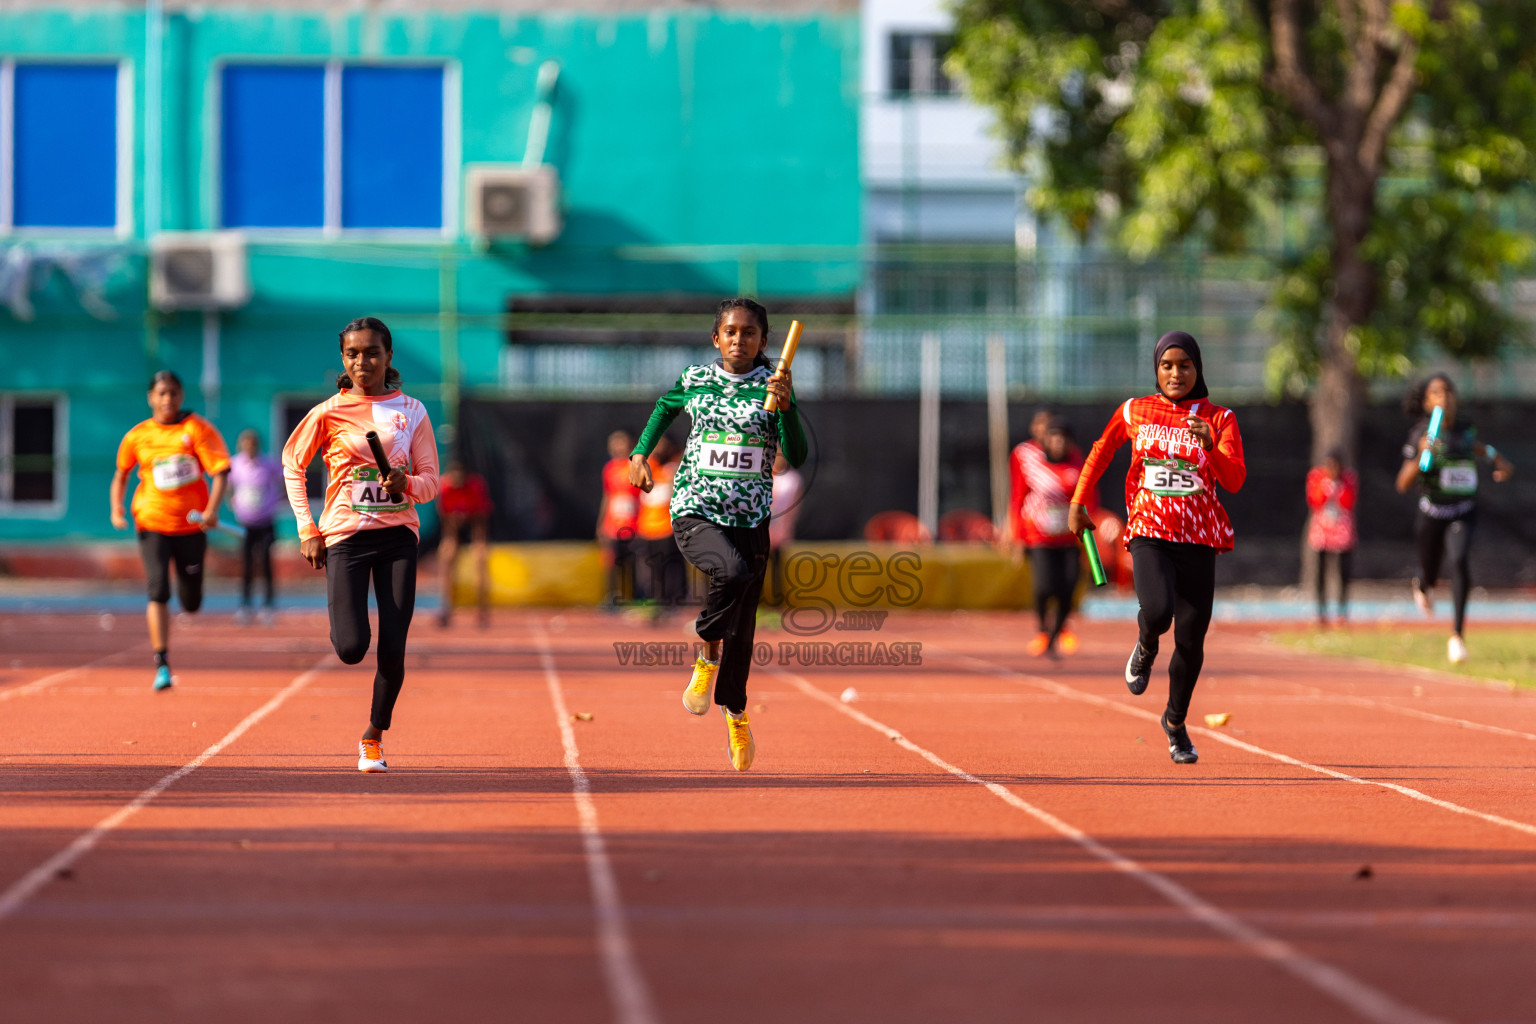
1505 655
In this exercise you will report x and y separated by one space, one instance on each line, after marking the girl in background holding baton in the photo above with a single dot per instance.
1183 446
1447 485
721 499
1043 479
173 450
369 527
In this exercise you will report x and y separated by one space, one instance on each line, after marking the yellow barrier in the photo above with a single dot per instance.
845 574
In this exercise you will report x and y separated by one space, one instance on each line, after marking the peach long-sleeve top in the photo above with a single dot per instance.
355 498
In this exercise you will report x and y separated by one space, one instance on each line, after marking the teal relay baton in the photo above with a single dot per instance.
1427 455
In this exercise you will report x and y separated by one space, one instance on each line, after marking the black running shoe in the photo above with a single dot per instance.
1179 747
1138 670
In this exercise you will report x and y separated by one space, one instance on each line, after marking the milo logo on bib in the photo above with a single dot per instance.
723 453
369 495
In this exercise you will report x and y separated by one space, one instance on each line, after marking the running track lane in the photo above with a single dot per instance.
805 889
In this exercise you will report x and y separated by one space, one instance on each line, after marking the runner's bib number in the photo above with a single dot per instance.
732 455
175 472
369 495
1170 478
1459 478
250 497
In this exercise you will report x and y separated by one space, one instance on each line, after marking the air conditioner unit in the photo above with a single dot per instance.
510 201
198 270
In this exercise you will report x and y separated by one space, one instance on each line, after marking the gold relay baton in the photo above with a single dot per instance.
786 357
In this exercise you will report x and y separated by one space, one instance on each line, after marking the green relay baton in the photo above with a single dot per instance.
1095 566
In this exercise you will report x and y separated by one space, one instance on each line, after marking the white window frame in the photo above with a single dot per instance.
123 199
54 509
331 228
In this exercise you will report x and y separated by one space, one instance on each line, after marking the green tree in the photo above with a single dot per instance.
1158 121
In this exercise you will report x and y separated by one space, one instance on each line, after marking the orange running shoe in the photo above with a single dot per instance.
370 756
1067 641
1039 645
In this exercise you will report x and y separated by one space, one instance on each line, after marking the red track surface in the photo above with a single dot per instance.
849 876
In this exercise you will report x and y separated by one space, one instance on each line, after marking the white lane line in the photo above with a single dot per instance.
1397 709
1369 1003
29 884
627 990
59 677
1052 686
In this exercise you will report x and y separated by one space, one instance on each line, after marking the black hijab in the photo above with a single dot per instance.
1179 339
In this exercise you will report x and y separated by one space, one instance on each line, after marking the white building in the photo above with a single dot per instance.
932 170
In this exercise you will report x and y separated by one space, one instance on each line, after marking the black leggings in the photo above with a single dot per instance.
187 550
1343 560
1055 572
256 560
1175 586
388 556
735 558
1438 538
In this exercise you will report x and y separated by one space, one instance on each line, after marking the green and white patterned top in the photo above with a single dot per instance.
727 471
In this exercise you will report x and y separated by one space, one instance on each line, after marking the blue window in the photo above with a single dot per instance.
64 146
273 147
392 147
333 146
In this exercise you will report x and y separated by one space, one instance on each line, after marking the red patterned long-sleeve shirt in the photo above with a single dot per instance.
1039 490
1170 492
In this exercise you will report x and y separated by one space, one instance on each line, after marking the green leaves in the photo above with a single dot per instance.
1152 123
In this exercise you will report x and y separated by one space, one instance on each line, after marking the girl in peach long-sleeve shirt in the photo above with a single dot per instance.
369 527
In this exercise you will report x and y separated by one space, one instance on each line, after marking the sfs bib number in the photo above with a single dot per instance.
1171 478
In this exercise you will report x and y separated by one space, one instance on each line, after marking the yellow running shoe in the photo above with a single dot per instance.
696 696
743 747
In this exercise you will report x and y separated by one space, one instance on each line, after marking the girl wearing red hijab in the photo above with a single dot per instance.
1183 446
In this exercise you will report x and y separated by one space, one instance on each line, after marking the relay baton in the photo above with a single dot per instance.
196 519
791 343
1095 566
1427 455
380 459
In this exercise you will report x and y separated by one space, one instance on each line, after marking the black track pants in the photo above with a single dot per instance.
1055 572
1438 538
1341 559
256 561
735 558
388 557
188 551
1175 586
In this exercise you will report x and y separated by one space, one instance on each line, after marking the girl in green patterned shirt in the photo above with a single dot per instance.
721 497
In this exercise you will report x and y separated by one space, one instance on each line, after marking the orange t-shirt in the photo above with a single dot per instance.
173 459
355 498
623 501
655 520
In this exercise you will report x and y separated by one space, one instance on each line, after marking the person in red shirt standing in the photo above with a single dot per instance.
616 520
464 505
1331 494
1183 446
1043 477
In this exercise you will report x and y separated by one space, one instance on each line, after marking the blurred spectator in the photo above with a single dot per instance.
464 505
616 520
788 489
256 493
1331 494
664 577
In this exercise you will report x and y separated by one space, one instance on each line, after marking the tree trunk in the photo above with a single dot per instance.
1339 395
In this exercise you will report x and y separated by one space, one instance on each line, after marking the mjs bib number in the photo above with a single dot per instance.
730 454
1459 478
369 494
1171 478
175 472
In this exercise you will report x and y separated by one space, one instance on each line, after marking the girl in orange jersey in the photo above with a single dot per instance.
174 449
369 527
1183 447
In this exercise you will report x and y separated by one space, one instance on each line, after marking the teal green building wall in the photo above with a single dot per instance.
711 130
